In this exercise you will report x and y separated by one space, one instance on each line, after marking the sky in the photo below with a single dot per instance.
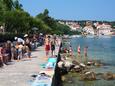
73 9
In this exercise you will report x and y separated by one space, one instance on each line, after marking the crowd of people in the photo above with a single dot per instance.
21 47
50 42
70 51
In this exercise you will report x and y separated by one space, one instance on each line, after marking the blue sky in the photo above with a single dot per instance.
73 9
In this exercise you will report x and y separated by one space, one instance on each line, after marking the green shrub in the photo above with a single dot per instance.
9 36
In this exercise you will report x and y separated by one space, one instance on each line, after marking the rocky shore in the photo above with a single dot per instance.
75 71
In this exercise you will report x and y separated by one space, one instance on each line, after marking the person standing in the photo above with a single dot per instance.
8 50
5 53
1 56
20 48
28 43
78 50
47 45
52 47
85 53
26 51
78 53
70 51
19 40
41 38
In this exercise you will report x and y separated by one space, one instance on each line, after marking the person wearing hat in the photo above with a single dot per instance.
19 40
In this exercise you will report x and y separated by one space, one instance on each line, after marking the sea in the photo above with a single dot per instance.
99 48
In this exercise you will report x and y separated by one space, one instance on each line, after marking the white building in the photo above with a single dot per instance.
89 30
104 29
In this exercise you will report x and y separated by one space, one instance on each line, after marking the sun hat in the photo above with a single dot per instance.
15 38
25 35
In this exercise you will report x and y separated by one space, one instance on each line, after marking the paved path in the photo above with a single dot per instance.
19 73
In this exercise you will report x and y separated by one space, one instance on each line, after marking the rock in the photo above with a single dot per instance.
114 76
71 67
67 64
74 62
88 76
82 65
90 63
63 57
77 68
60 64
63 78
108 76
84 71
99 76
63 70
98 63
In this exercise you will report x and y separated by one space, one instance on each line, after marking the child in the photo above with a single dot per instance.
20 48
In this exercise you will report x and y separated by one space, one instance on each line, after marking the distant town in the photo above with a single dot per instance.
90 27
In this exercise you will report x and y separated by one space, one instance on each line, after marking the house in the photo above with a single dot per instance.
88 30
104 29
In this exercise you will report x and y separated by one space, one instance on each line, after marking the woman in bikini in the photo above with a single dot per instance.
47 45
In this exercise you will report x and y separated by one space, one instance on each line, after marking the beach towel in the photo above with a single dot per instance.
42 79
53 60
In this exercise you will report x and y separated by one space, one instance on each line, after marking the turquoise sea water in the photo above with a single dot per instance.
102 48
99 48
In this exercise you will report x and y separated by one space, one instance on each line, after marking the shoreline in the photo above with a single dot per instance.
77 75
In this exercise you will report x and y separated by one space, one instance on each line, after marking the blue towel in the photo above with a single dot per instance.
53 60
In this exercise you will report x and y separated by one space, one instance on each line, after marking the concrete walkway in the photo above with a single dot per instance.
19 73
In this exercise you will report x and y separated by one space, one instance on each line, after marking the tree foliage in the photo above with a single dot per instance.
16 20
55 27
